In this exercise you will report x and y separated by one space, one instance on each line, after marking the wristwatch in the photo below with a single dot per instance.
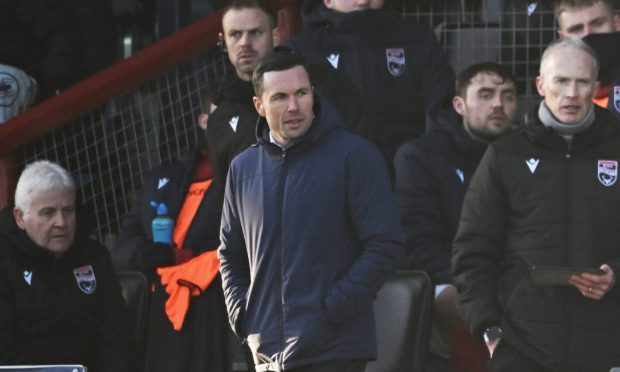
492 333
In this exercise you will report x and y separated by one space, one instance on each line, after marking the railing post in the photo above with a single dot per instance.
8 178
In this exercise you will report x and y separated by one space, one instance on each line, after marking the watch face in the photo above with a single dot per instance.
492 334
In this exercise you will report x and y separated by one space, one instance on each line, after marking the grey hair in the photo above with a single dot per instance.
40 177
574 42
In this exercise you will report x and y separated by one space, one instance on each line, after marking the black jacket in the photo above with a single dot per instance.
48 317
309 235
535 201
398 65
432 175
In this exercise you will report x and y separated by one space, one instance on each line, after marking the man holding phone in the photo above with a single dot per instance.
547 195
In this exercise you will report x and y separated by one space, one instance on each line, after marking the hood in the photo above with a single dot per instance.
315 15
326 119
18 237
442 117
235 90
11 232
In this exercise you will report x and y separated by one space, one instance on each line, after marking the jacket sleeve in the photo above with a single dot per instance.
234 266
374 218
117 346
420 215
478 248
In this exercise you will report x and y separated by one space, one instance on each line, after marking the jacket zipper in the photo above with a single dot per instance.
284 176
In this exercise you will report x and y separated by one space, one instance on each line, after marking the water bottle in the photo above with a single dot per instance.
162 225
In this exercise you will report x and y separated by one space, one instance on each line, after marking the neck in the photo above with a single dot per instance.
565 130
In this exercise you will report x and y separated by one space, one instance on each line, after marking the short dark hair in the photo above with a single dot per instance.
464 79
561 5
262 5
276 61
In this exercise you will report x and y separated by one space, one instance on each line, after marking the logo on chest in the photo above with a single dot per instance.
395 60
607 172
85 277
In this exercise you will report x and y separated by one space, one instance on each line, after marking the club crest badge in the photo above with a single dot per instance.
395 61
617 98
607 172
86 280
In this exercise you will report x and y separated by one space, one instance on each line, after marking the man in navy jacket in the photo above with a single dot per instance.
432 175
309 230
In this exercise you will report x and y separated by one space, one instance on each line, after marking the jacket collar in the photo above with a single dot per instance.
326 119
604 126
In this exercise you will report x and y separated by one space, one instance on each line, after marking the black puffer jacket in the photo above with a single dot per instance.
432 175
535 201
398 65
47 315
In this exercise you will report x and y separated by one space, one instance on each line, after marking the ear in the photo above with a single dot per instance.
617 21
275 35
258 105
19 218
328 3
458 103
221 42
202 120
540 86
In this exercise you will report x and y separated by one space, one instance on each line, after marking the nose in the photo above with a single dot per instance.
363 4
497 101
59 219
293 105
572 90
245 39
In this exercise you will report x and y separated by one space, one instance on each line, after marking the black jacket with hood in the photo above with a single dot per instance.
432 175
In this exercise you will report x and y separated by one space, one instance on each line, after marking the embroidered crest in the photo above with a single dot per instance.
333 60
607 172
395 60
617 98
86 280
532 164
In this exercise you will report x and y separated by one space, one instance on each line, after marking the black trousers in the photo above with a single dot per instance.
346 365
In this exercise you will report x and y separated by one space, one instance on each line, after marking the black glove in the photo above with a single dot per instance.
154 256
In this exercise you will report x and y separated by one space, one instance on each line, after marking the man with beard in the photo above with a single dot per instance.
432 175
546 196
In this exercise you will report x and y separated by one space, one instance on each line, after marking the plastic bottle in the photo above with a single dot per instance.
162 225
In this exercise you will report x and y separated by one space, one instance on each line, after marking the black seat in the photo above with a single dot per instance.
136 294
403 310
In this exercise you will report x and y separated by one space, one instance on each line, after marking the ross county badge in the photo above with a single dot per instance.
616 98
395 60
86 280
607 172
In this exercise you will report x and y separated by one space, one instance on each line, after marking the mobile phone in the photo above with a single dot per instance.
558 275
